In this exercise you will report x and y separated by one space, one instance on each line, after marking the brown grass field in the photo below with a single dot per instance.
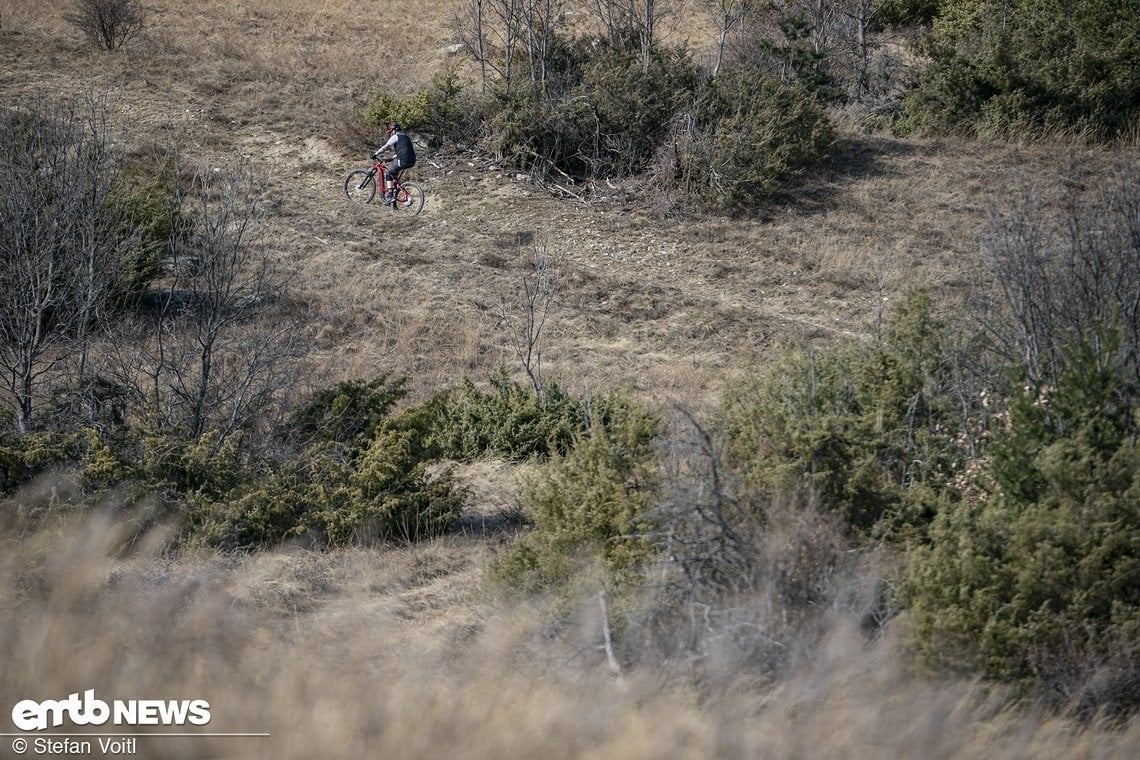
402 653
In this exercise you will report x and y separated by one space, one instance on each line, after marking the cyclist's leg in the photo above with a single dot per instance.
394 170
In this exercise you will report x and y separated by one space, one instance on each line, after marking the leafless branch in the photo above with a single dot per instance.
524 311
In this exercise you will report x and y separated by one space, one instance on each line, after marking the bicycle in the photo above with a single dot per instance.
360 186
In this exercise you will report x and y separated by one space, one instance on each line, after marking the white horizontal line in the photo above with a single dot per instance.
127 734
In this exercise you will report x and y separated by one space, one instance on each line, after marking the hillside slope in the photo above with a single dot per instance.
668 308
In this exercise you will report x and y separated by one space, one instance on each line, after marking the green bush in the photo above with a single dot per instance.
603 111
514 422
755 126
147 204
1028 68
532 133
386 494
873 428
385 108
509 420
588 506
593 110
793 55
83 464
753 132
261 516
398 498
452 114
904 12
442 112
348 413
1033 577
24 457
105 465
633 105
360 475
207 465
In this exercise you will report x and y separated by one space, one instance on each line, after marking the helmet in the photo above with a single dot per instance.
394 127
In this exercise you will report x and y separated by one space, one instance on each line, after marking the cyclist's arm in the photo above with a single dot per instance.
390 145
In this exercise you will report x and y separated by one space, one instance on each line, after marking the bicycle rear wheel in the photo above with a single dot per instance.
360 185
410 198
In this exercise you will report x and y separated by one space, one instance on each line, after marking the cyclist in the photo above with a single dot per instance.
399 142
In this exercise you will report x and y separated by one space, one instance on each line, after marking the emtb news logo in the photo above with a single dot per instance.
30 715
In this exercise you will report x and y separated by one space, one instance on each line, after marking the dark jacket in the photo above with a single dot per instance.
405 151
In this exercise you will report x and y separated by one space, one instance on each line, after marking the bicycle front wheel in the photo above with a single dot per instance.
360 186
410 198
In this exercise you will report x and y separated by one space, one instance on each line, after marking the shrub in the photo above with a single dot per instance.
903 12
151 220
23 457
104 465
385 108
587 506
442 112
872 428
633 102
208 465
607 115
348 413
260 517
752 133
793 55
509 420
1027 68
398 499
87 462
538 135
514 422
359 475
108 23
451 113
741 581
1033 578
61 242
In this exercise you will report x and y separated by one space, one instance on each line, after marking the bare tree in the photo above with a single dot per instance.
701 522
218 345
525 310
631 24
102 236
730 16
541 19
853 21
469 26
840 31
745 580
1067 272
709 544
108 23
506 35
490 31
61 241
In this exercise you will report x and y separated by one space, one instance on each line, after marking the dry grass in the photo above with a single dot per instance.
359 654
